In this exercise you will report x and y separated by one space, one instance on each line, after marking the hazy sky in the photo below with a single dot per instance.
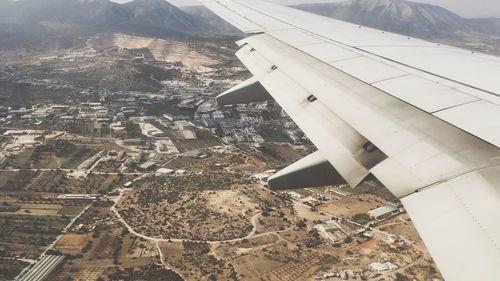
466 8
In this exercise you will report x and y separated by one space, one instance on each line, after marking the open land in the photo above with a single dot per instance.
114 154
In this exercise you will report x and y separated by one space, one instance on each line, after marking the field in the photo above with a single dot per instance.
212 209
29 230
19 160
68 272
35 209
103 247
15 181
352 205
78 157
59 182
72 244
10 268
70 210
59 154
195 262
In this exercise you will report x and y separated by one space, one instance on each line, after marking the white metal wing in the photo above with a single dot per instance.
421 117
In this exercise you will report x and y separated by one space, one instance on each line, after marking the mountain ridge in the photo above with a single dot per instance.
145 17
405 17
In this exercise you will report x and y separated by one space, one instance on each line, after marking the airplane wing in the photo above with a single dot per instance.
422 117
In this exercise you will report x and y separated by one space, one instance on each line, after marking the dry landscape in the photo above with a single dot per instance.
95 166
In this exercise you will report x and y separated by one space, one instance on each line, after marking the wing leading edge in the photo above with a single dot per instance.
425 133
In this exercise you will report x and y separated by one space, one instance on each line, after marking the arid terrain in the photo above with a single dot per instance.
117 164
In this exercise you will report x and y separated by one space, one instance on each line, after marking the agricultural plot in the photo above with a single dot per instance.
58 182
299 269
150 272
20 160
32 230
28 235
138 248
21 250
76 158
16 181
91 273
70 210
352 205
32 209
105 244
72 244
10 268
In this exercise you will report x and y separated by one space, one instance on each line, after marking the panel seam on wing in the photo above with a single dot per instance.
370 53
454 106
474 218
458 174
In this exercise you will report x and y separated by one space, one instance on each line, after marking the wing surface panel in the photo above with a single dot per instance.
458 220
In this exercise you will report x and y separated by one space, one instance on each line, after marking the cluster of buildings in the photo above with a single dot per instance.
384 212
237 124
234 124
355 274
83 112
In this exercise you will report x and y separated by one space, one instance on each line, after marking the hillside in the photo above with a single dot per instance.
409 18
144 17
208 16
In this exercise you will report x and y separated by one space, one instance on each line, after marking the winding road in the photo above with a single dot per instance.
252 234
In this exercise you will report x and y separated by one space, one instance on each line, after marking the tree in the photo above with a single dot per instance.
362 218
301 224
348 240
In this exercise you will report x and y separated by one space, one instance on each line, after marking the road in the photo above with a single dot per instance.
160 253
69 170
19 259
253 221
